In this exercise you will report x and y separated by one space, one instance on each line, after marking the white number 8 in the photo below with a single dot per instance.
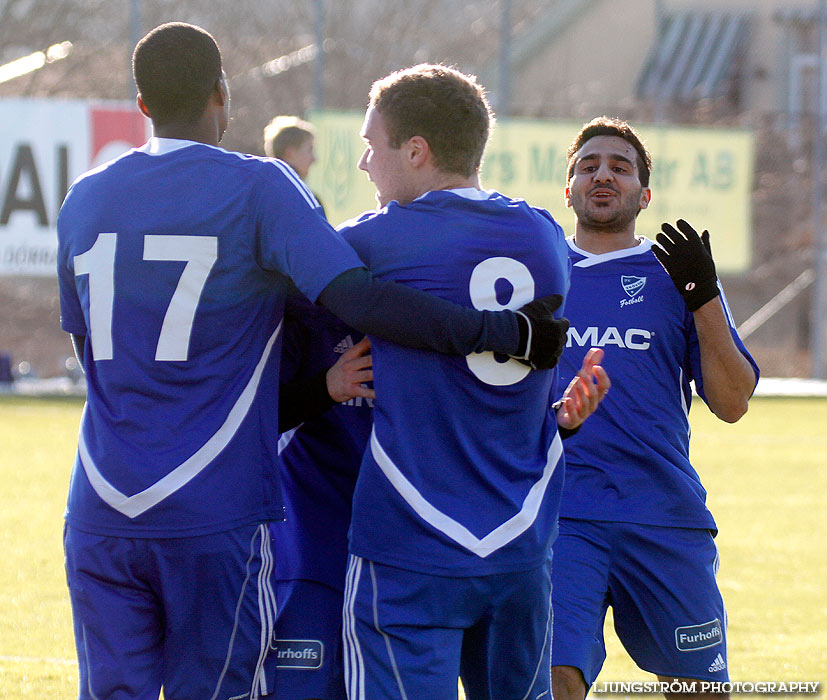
482 288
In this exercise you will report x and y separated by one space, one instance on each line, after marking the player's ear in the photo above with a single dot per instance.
142 106
417 150
222 91
645 197
567 197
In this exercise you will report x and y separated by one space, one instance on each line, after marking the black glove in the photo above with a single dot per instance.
687 259
542 337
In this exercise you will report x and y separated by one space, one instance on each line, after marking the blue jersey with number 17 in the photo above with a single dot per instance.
173 262
464 469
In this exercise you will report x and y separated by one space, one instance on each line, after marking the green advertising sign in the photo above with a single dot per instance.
703 175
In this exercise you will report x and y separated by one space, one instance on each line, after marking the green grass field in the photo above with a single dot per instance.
766 476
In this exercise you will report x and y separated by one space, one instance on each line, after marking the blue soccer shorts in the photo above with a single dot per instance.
411 635
307 648
193 615
660 582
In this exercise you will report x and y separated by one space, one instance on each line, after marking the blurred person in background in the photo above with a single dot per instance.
635 532
292 140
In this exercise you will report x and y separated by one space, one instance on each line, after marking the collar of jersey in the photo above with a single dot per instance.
157 146
589 259
464 192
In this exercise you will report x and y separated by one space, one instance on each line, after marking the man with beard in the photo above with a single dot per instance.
635 532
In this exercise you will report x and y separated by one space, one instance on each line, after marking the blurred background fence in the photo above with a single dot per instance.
728 94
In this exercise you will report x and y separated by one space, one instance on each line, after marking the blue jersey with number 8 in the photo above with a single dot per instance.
464 468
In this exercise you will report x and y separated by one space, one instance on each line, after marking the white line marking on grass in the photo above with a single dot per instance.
37 660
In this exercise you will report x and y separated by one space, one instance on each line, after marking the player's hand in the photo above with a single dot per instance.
545 336
352 369
687 259
584 393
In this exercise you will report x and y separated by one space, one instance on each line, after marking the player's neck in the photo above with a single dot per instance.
452 181
599 242
202 131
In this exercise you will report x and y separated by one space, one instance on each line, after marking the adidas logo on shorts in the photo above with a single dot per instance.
718 665
344 345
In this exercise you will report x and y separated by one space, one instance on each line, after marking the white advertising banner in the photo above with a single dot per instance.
44 146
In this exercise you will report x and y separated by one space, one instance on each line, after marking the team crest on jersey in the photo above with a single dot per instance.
632 285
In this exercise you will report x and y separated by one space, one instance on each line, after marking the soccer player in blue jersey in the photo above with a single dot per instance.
456 501
320 452
635 532
325 419
174 261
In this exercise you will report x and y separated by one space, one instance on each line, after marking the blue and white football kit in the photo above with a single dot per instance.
173 260
173 265
320 461
457 498
635 532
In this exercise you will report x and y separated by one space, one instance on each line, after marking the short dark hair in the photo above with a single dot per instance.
445 107
284 132
176 67
611 126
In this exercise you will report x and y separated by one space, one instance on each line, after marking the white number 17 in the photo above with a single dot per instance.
200 254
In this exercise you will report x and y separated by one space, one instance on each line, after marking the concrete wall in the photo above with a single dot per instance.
593 66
